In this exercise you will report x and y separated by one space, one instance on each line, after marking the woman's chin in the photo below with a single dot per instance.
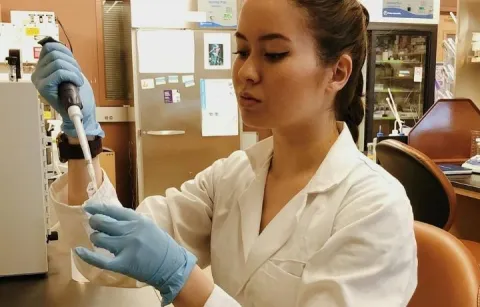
254 123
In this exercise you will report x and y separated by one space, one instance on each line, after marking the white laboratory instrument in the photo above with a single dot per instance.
474 162
24 187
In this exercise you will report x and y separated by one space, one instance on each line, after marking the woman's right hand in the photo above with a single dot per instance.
55 66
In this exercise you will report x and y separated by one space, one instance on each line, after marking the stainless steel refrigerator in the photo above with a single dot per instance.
169 141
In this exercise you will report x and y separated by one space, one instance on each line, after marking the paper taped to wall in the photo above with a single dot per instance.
219 107
218 13
166 51
218 51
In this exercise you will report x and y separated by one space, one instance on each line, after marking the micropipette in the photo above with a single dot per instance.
69 98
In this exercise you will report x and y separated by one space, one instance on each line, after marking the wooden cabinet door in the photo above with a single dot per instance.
79 21
448 6
446 29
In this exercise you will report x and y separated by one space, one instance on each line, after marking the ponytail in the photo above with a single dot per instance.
356 110
353 112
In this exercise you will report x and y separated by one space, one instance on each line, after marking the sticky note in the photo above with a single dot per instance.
188 78
160 81
172 79
190 83
147 84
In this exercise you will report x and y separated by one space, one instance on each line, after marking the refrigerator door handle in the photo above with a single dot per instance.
162 132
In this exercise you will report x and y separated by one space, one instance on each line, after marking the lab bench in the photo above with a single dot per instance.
57 289
466 224
466 185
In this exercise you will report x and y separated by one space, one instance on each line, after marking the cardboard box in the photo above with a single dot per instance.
107 162
0 13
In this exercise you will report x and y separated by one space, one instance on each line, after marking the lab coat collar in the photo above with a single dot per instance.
338 163
260 154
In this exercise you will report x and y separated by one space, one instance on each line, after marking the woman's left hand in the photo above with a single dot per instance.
142 250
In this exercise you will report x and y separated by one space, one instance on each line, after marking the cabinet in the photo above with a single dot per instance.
448 6
467 71
446 29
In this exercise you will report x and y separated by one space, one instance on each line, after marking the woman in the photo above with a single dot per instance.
300 219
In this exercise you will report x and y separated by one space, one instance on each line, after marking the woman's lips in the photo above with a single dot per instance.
247 100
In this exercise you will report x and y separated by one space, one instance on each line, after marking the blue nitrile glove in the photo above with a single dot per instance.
142 250
56 65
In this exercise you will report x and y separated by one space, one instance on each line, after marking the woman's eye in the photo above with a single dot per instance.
242 54
274 57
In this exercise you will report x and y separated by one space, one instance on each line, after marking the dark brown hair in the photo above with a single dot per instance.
339 27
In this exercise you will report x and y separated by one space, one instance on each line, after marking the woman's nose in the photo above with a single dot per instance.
249 71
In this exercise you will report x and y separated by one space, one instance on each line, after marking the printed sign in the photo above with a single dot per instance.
421 9
220 14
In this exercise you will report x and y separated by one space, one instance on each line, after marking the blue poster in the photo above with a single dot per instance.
420 9
220 13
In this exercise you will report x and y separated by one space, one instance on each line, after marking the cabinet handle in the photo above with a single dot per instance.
163 132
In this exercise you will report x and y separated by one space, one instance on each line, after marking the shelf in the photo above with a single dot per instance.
397 91
393 118
424 53
398 62
397 78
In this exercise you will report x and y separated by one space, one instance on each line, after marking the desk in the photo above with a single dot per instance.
468 185
467 212
57 289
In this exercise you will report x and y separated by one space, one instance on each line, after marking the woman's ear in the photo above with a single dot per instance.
342 71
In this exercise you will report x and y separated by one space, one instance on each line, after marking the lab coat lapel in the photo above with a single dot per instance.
251 212
250 202
275 235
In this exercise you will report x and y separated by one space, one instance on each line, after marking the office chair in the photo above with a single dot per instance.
431 194
448 274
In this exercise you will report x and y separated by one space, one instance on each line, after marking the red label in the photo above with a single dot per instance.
36 52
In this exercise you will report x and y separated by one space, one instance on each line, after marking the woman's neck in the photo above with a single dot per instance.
301 150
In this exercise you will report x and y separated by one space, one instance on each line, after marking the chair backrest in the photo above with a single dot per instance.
444 132
430 192
448 274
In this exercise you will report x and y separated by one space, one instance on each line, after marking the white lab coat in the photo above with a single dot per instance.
345 240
